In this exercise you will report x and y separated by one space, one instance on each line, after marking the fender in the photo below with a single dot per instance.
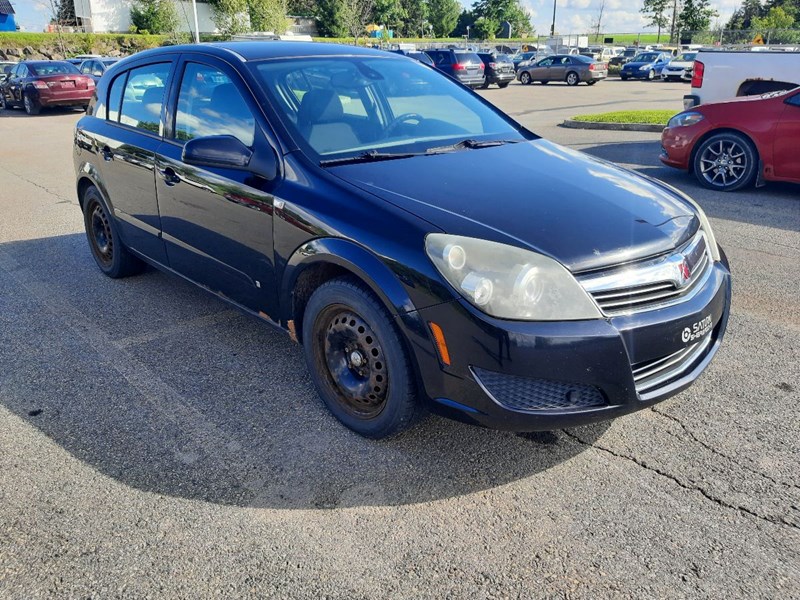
87 171
383 282
353 257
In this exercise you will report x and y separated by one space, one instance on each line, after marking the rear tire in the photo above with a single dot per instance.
3 105
623 77
357 360
572 78
31 105
504 84
525 78
111 256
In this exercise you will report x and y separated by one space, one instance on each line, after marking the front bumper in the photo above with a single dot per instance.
677 144
526 376
500 77
635 73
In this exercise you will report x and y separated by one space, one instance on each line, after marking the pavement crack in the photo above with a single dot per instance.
692 488
36 184
722 454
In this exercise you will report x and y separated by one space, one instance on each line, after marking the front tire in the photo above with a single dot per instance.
108 251
525 78
623 77
726 162
357 360
651 74
31 105
572 78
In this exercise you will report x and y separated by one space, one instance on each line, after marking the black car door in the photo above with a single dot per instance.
217 221
16 83
126 142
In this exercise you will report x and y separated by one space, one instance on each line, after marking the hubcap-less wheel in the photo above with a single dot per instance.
102 238
572 79
724 163
356 366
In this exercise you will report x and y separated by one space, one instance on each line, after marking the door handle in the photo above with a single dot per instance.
107 153
170 176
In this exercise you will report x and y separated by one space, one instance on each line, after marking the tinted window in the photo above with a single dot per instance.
794 100
86 67
143 97
210 104
686 57
582 59
545 63
467 57
22 71
115 97
502 58
52 68
646 58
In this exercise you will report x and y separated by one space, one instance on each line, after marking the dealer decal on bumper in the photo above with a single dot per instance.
697 330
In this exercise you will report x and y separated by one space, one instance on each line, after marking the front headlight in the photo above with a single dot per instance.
644 68
508 282
684 119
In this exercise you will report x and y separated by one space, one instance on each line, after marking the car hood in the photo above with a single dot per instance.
584 212
681 64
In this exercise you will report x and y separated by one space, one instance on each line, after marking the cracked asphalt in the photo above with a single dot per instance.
155 443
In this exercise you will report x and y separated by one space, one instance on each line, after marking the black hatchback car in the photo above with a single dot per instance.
340 194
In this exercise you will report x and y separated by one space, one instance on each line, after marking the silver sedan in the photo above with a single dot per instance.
571 69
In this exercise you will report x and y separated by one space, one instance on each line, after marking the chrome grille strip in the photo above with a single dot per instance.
654 373
652 283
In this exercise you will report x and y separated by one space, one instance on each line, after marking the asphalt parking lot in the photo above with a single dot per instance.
156 443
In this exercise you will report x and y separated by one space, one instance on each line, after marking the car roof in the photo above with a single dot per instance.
260 50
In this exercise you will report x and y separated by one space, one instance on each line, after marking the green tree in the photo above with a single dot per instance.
230 16
355 16
302 8
65 12
268 15
498 11
416 17
657 13
443 15
330 18
696 15
743 16
389 13
776 18
154 16
484 28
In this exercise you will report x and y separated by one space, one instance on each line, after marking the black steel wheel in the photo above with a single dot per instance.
525 78
572 78
108 251
357 360
31 105
725 162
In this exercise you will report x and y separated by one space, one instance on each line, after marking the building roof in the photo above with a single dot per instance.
6 8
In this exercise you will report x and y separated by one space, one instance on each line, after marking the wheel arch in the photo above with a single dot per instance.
323 259
88 176
717 131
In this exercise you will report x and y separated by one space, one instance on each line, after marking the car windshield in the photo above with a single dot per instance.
629 53
650 57
52 68
345 106
686 57
502 58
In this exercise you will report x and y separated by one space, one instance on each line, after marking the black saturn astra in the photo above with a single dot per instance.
426 250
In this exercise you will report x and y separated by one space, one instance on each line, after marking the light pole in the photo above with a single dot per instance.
553 26
467 42
196 26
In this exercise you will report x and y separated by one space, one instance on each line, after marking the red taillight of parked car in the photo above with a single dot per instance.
697 74
481 66
591 66
40 85
458 67
492 65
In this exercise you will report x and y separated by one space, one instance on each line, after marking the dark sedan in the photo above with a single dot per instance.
572 69
341 195
38 84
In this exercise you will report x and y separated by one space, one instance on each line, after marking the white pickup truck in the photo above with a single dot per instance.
722 75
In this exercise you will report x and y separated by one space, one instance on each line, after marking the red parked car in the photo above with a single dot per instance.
729 145
37 84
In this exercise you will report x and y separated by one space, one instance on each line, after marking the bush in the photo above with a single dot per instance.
154 16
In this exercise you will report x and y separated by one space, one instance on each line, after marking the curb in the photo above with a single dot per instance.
571 124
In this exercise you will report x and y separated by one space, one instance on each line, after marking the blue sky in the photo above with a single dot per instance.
576 16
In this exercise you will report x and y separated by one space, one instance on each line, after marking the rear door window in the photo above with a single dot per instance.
209 103
143 97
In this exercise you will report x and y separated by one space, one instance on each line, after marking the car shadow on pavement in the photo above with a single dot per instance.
18 113
164 388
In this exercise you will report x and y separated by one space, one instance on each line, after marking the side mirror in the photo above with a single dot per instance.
217 151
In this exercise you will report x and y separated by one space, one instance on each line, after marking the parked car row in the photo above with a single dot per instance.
37 84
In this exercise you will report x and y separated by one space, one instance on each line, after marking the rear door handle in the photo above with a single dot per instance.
170 176
107 153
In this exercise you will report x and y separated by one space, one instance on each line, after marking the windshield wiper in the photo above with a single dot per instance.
470 144
368 156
